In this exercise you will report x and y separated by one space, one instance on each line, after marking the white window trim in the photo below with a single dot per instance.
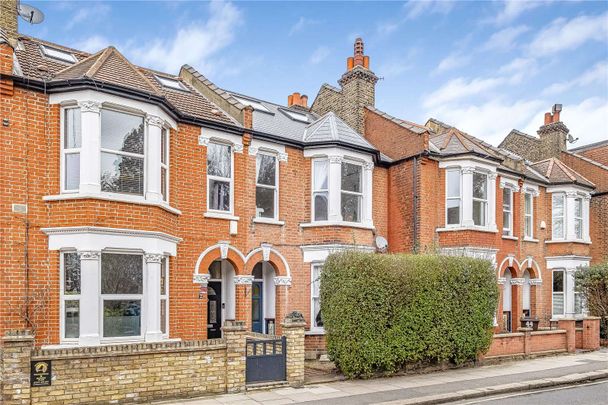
554 216
467 167
315 329
579 200
66 297
165 296
275 218
509 228
481 200
459 198
230 180
335 156
91 136
165 166
315 191
359 194
571 194
529 237
563 293
143 156
66 151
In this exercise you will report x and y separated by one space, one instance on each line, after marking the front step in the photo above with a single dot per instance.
266 385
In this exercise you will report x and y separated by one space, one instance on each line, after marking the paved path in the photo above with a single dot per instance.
410 388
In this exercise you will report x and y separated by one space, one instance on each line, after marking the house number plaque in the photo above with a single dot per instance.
40 373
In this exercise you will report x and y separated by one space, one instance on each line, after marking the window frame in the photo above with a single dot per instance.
123 297
164 263
63 297
529 215
315 266
484 202
315 191
578 200
103 150
164 166
358 194
266 186
459 198
218 178
68 151
509 228
563 292
562 217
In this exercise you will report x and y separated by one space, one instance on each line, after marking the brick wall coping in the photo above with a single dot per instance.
549 332
507 335
18 336
257 335
129 349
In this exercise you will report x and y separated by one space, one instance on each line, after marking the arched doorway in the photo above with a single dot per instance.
507 300
220 297
263 298
527 302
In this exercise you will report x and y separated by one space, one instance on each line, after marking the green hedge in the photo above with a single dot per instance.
381 312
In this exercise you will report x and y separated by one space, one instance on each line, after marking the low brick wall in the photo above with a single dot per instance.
315 345
526 342
142 372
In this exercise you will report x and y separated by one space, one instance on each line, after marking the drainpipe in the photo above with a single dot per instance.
415 204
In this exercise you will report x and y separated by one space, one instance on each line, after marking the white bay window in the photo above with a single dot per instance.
569 215
351 192
219 177
320 189
558 216
528 216
266 191
113 151
470 195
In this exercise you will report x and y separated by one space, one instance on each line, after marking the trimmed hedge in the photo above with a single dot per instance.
381 312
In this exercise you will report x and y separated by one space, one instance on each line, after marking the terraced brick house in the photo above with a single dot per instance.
143 206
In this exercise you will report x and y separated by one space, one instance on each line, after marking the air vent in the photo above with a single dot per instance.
20 208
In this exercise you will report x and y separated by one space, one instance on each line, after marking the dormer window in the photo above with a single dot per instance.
170 83
255 104
59 54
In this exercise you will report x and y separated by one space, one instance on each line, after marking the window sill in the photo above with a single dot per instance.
113 197
268 221
221 215
510 237
337 223
526 239
467 228
581 241
315 332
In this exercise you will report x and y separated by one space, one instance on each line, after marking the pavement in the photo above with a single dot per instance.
433 388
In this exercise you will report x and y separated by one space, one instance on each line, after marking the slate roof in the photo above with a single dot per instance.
454 142
330 128
277 121
558 173
110 66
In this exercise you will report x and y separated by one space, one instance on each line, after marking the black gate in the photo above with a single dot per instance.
266 359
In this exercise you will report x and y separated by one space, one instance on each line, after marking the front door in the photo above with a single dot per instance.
214 310
257 305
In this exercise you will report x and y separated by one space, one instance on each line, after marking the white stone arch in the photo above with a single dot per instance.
224 247
266 249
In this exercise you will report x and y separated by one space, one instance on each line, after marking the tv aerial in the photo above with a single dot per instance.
30 13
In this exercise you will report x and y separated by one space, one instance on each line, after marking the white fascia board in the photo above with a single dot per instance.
567 262
319 253
469 161
333 151
566 188
99 238
68 98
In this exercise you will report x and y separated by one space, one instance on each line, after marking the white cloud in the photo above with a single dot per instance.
416 8
302 23
450 62
563 34
587 120
519 65
88 12
597 74
319 55
387 27
490 121
194 44
504 40
93 44
460 88
514 8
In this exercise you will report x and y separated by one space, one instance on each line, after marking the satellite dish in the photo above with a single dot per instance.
30 13
381 244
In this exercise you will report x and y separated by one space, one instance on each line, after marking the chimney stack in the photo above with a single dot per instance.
8 20
358 58
296 99
553 116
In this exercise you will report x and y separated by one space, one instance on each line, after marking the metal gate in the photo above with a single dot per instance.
266 360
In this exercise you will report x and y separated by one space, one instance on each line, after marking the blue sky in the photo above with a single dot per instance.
485 67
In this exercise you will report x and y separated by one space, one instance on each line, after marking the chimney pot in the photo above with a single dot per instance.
304 101
366 62
289 100
350 63
548 118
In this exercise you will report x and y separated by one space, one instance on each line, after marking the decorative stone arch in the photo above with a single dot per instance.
530 264
222 251
509 262
266 253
